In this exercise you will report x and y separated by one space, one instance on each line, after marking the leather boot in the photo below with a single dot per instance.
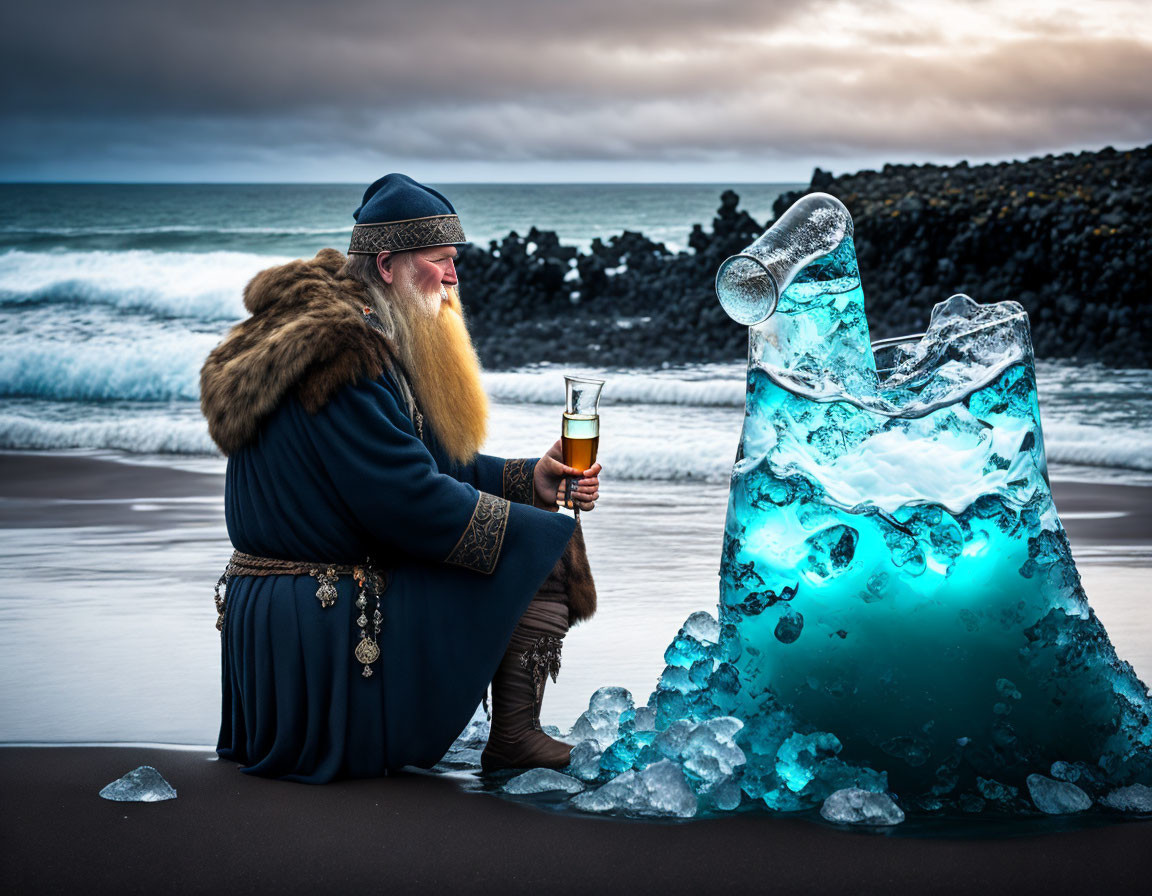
533 654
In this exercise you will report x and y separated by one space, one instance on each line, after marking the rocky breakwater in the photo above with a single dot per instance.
627 301
1069 237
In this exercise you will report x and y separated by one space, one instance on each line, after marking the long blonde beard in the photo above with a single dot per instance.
444 373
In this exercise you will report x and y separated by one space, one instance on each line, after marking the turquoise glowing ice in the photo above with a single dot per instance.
894 568
899 609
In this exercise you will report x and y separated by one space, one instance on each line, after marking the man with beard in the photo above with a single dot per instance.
385 571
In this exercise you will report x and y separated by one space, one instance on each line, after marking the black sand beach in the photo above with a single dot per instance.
227 832
72 489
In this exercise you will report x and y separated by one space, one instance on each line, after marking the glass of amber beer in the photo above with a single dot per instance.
580 431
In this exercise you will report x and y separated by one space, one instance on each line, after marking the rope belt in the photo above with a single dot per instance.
373 582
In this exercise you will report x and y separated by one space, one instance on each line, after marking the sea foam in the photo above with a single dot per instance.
164 367
546 386
135 435
200 285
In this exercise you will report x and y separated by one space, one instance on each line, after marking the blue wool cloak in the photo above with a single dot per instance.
465 552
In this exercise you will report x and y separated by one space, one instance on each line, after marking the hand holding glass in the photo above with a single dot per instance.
580 430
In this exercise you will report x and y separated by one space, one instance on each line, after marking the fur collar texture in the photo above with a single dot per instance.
306 336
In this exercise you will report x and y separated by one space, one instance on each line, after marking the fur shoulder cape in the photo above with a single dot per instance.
277 352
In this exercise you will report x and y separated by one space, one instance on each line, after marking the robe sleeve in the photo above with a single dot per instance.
393 488
483 473
510 478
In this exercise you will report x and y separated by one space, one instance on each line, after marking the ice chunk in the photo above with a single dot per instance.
726 727
676 678
799 756
995 792
703 627
695 642
645 719
1133 798
1057 797
584 761
709 751
725 795
611 701
658 790
1065 771
671 742
601 722
141 785
474 736
466 758
624 752
601 727
855 806
542 780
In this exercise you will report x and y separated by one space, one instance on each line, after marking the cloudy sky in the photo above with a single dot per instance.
576 90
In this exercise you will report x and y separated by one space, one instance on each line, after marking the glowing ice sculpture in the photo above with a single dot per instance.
899 608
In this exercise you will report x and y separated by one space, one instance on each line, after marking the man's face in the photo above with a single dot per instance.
427 272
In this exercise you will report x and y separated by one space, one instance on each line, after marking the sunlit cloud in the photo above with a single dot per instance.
519 87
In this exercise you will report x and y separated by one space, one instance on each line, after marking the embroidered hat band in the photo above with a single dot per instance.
399 236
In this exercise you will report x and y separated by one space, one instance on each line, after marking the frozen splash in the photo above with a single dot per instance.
895 576
901 626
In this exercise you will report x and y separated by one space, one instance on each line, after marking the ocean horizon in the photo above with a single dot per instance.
272 218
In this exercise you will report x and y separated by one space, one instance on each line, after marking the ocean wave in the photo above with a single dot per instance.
140 434
687 456
159 364
1097 446
547 387
102 392
201 286
163 367
151 435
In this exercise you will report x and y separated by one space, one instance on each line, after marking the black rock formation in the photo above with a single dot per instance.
1069 237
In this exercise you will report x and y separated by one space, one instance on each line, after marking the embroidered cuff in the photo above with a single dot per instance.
479 547
518 480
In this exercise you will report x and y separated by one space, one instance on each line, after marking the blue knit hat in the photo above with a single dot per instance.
397 214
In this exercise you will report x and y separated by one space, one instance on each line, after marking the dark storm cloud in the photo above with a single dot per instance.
237 57
521 80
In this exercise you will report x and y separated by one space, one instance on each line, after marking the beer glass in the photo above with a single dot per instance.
580 430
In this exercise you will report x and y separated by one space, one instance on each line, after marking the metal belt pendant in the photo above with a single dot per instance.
326 593
367 651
